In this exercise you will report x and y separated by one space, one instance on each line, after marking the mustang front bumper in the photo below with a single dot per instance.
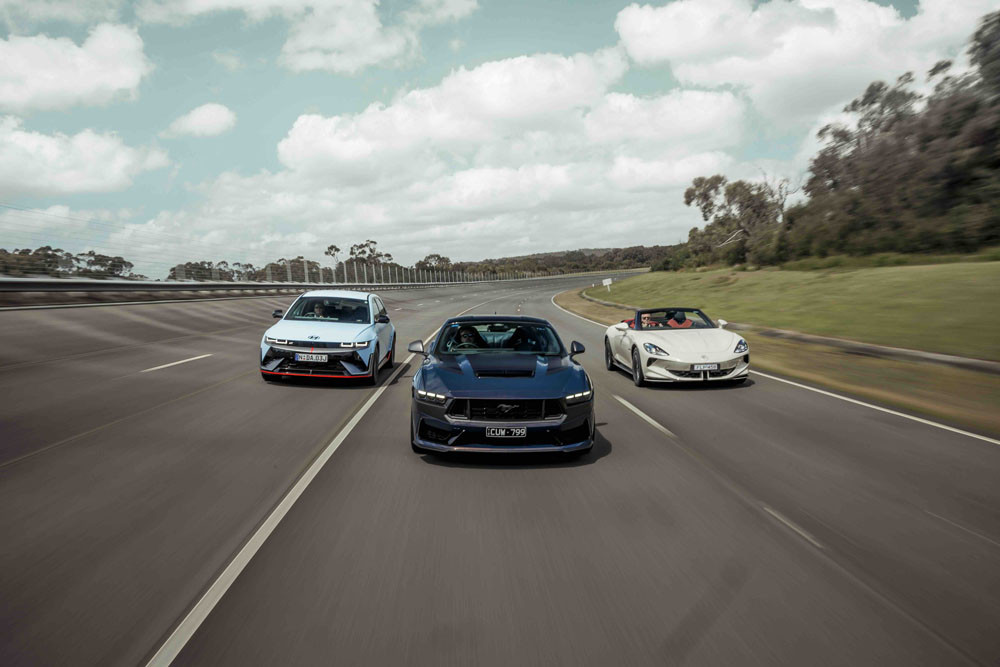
435 428
656 369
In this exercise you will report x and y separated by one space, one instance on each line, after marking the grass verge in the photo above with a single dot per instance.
963 398
948 308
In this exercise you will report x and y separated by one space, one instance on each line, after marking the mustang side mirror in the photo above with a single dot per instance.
576 347
416 347
277 313
722 324
382 319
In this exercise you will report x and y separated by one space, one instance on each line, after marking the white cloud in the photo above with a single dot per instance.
342 36
44 73
36 164
208 120
795 58
228 59
23 13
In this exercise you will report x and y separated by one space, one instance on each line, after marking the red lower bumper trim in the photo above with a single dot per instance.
307 375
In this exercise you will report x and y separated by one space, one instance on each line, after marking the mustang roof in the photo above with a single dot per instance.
344 293
494 318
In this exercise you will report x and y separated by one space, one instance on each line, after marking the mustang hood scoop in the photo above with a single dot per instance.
492 375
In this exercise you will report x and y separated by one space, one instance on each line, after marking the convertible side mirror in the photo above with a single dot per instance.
576 347
416 347
382 319
277 313
622 326
722 324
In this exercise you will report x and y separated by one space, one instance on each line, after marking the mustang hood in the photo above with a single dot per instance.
504 376
328 332
693 343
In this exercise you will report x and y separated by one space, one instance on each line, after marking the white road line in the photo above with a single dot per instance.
830 393
880 409
961 527
652 422
803 534
182 361
182 634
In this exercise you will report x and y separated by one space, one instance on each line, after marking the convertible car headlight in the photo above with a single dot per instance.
655 349
741 347
431 397
579 397
276 341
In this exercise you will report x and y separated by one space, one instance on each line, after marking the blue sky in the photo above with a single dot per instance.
471 128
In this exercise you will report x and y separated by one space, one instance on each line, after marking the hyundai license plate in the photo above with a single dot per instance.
310 357
506 431
705 367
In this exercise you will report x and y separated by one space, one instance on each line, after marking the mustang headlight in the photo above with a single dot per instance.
276 341
741 347
579 397
431 397
655 349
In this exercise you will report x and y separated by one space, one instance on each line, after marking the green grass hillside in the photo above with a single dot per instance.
949 308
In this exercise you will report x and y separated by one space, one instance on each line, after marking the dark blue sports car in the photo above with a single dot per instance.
500 384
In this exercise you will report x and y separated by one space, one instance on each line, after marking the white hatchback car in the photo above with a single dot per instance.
330 334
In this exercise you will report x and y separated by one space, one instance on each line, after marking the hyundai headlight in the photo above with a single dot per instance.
579 397
741 347
363 343
655 350
431 397
276 341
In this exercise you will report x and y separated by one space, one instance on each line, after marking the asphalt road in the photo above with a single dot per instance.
760 524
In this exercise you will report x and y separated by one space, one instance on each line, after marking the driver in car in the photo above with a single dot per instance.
319 310
466 338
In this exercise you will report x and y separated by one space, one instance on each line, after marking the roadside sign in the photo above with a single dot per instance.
607 283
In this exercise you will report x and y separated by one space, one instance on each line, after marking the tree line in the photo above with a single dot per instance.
916 173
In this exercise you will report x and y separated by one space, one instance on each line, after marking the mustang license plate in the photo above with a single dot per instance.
506 431
705 367
310 357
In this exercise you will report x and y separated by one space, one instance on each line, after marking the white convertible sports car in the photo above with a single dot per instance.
676 345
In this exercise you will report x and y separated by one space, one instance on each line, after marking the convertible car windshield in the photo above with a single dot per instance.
329 309
675 318
499 336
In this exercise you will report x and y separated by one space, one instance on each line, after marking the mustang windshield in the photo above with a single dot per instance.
329 309
675 318
498 337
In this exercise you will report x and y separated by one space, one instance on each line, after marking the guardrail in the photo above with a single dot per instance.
9 284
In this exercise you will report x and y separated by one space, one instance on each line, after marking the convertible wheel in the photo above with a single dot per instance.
609 358
637 376
373 378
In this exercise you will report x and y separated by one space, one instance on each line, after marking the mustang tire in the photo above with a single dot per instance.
637 376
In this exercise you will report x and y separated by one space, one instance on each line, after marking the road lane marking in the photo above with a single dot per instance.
829 393
642 415
182 634
182 361
880 409
961 527
788 523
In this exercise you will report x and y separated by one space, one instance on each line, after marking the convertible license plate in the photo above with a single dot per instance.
506 431
705 367
310 357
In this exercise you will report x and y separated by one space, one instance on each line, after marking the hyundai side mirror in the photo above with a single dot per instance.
416 347
277 314
722 324
382 319
576 347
